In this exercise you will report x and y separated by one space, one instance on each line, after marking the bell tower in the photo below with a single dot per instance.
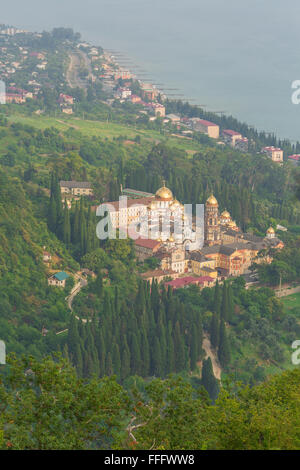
212 233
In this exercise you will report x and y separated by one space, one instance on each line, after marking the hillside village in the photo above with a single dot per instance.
29 71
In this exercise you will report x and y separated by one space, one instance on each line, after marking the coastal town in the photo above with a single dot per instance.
32 68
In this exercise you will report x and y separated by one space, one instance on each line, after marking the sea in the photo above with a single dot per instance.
236 57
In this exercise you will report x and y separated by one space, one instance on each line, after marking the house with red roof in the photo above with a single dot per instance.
230 137
206 127
146 248
275 153
67 99
294 158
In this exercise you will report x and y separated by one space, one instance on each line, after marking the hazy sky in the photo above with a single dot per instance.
238 56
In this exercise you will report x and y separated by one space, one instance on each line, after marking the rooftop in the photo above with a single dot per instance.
75 184
61 276
147 243
231 132
206 123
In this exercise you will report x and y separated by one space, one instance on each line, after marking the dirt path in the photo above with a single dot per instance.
210 353
81 282
67 124
285 291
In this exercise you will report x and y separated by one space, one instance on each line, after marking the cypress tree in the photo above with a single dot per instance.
116 361
100 345
52 215
170 362
66 225
73 336
179 348
214 331
77 360
109 365
125 365
145 352
217 299
208 380
224 350
99 285
156 358
230 303
76 225
224 305
135 355
194 349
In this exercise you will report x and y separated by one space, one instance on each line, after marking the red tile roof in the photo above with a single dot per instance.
147 243
231 132
272 149
294 157
206 123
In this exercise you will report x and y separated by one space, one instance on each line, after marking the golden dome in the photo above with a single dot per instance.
171 239
212 201
270 230
164 193
225 215
175 205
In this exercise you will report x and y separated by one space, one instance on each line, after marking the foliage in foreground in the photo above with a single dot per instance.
44 405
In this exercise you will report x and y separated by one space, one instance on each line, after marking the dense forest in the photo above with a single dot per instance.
167 414
154 335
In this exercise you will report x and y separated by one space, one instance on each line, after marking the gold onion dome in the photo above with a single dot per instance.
175 205
164 193
225 215
270 230
171 239
212 201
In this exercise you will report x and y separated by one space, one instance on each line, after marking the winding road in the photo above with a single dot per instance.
78 62
210 353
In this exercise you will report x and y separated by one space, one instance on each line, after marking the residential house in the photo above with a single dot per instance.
231 137
47 257
58 279
206 127
276 154
76 188
146 248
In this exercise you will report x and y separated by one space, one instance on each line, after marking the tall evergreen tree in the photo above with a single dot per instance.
208 380
217 299
156 359
125 365
224 349
214 331
109 365
224 304
66 225
116 360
